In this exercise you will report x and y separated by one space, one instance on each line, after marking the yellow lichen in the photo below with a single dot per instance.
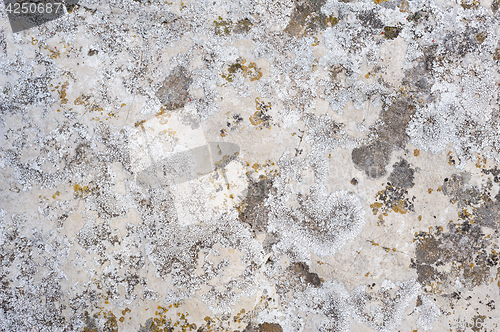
375 207
399 207
62 93
251 71
81 192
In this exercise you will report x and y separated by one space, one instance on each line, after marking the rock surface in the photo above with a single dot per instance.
252 165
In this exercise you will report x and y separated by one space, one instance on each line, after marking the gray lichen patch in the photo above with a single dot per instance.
402 175
174 93
464 194
323 223
252 209
488 214
374 157
471 264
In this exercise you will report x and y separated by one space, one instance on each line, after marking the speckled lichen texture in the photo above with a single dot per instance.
252 165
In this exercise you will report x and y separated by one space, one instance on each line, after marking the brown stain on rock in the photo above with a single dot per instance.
307 18
302 270
269 327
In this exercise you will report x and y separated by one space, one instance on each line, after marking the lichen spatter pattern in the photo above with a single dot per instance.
251 165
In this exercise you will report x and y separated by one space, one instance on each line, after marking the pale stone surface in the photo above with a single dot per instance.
251 166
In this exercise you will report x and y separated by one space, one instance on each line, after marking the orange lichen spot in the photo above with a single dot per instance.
430 190
223 132
56 194
481 162
140 123
451 161
378 2
375 207
381 220
331 21
367 274
416 152
440 188
419 217
399 207
260 119
252 71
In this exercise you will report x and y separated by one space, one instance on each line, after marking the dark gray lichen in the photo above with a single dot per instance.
402 175
252 209
374 157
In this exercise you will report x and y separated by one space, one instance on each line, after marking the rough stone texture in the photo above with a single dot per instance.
253 165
